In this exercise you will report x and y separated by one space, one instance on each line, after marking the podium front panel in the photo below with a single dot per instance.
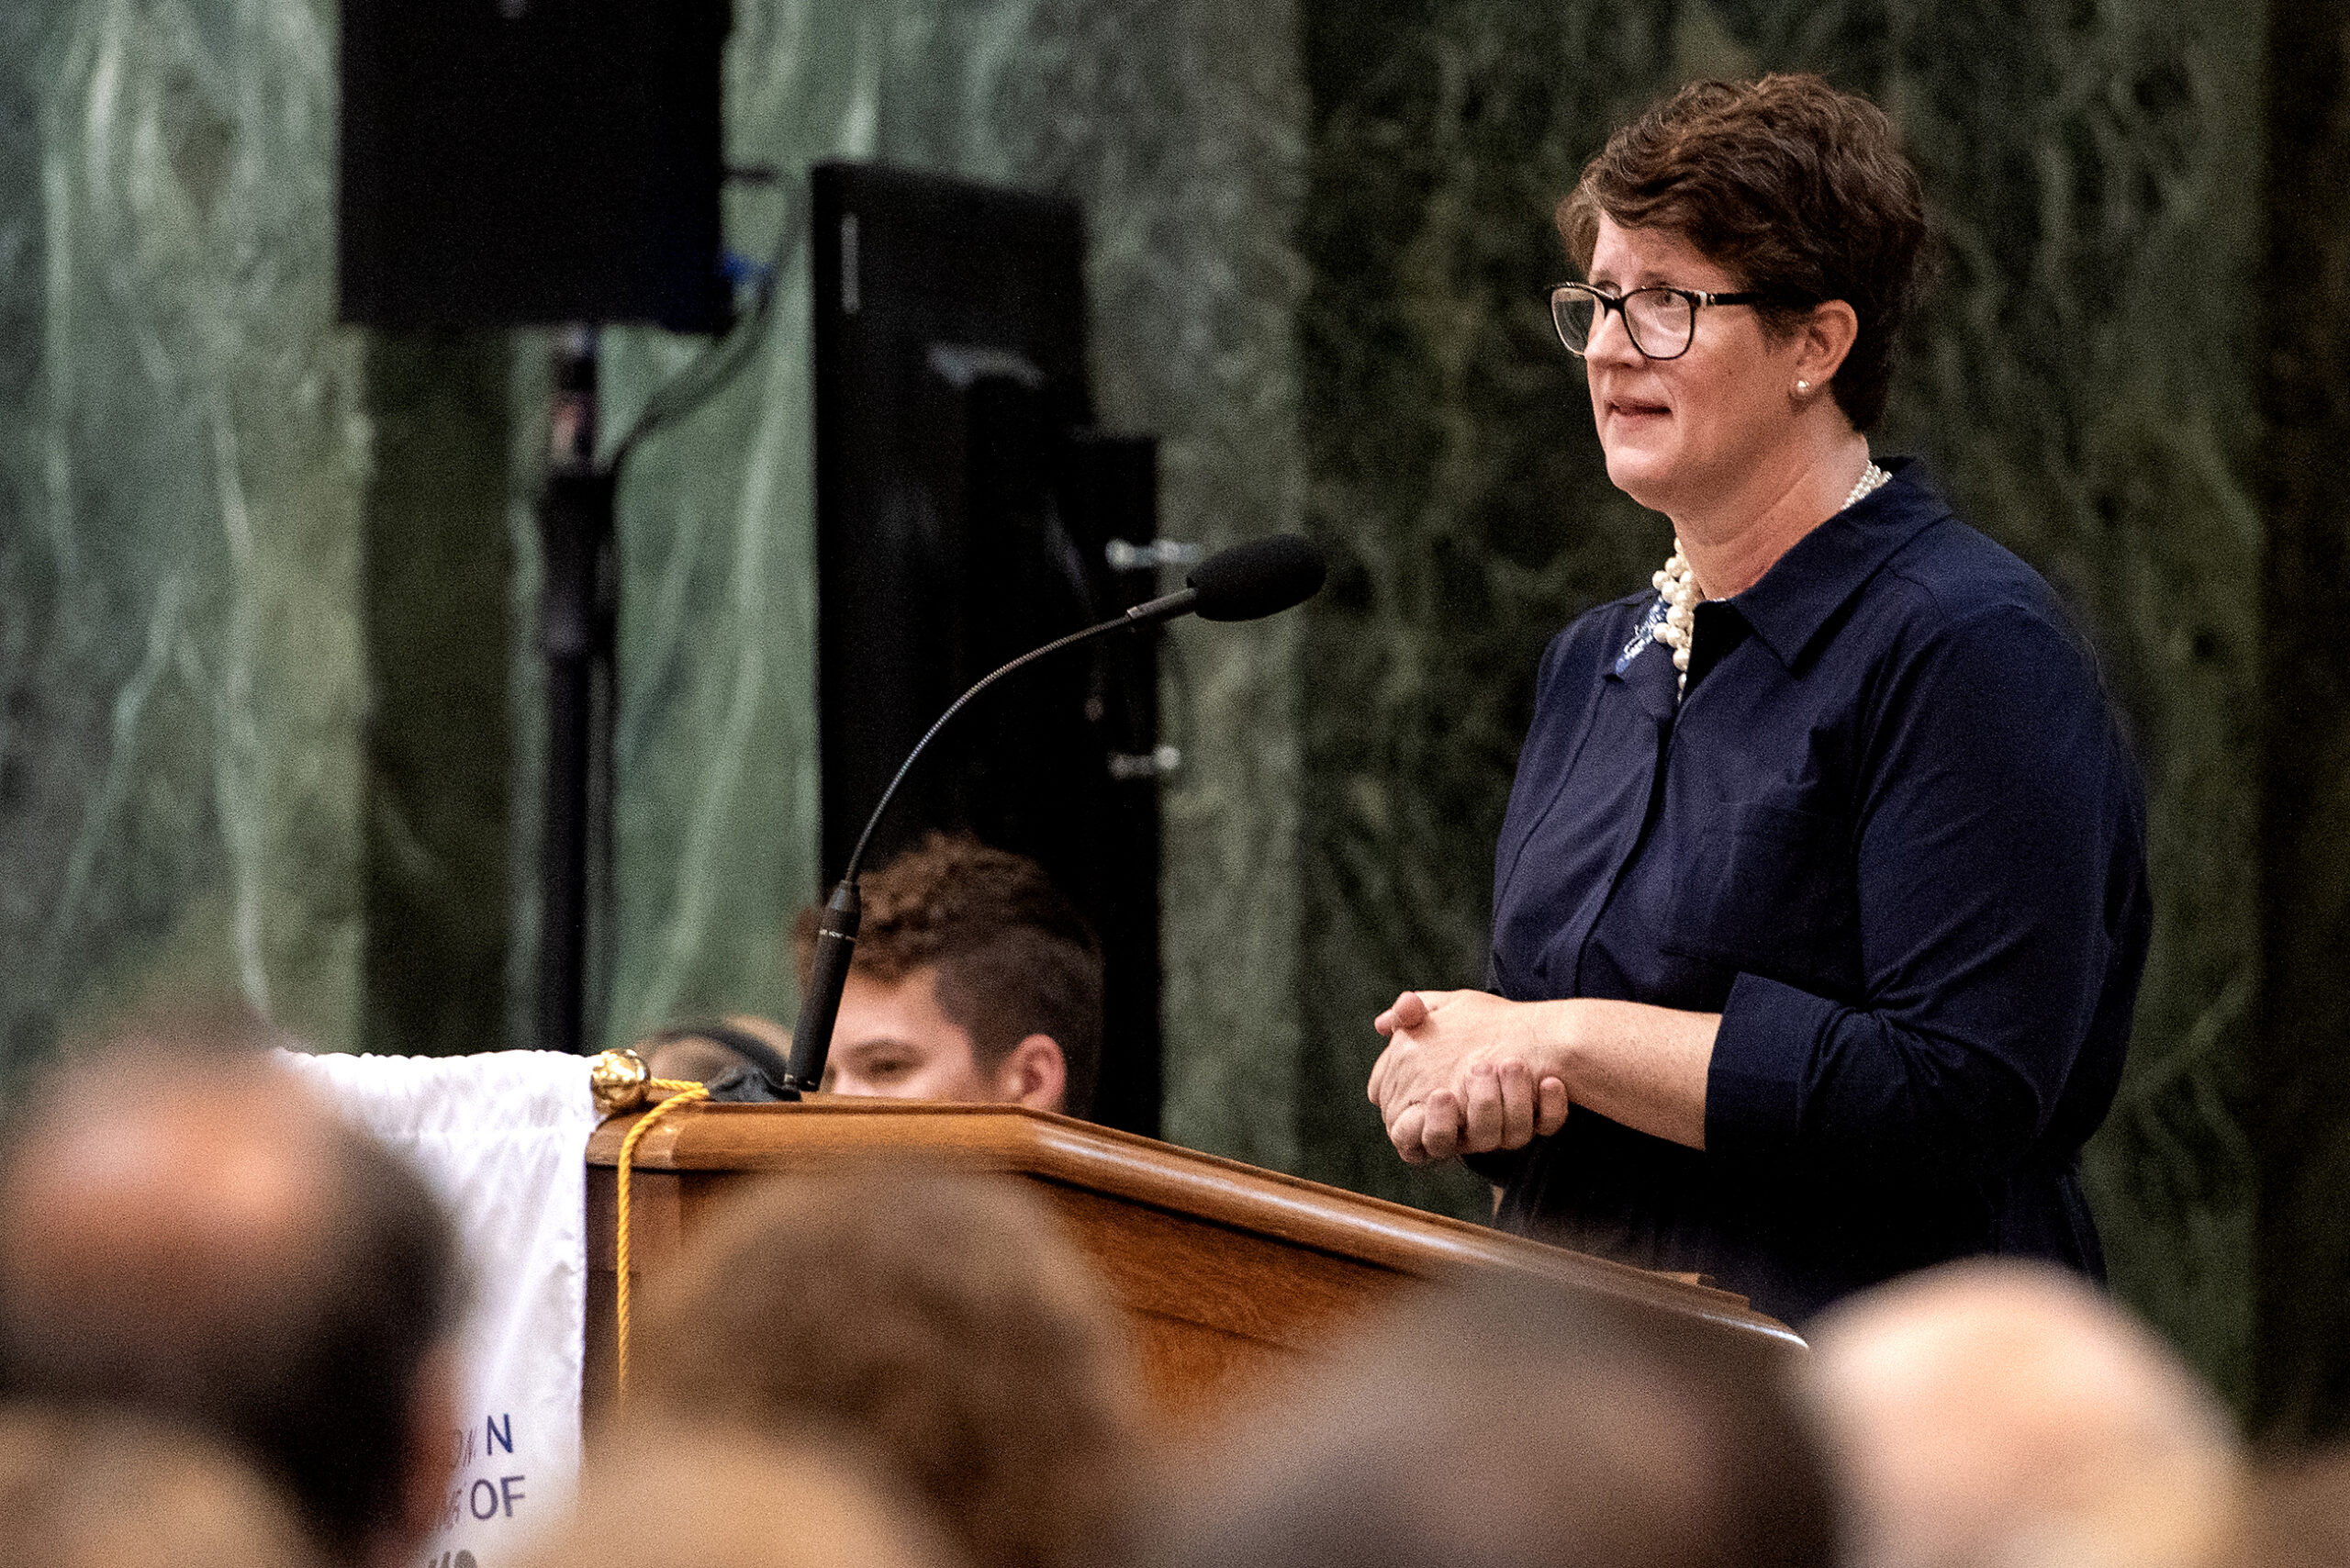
1225 1275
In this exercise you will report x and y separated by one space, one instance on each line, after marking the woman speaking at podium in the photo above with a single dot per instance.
1821 903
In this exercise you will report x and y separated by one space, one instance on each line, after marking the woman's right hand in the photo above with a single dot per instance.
1456 1079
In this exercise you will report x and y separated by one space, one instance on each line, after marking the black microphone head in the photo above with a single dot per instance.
1263 576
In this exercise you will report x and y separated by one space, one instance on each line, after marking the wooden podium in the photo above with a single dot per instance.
1225 1272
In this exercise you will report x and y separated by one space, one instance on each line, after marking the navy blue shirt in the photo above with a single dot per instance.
1892 835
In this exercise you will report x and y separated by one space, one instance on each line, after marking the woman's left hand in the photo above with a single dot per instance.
1465 1072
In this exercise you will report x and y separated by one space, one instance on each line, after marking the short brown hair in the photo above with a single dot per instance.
310 1369
1505 1421
1798 189
1014 958
938 1327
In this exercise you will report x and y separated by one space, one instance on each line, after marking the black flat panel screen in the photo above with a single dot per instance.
964 508
514 162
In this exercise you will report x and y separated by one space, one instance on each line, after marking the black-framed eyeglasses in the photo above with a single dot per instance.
1661 320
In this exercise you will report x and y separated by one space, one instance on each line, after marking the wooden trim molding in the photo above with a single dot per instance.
827 1133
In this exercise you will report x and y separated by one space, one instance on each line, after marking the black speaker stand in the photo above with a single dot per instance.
579 616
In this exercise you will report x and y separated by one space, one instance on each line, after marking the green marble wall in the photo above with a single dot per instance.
1175 121
181 454
1178 122
715 741
2109 437
2081 380
253 565
267 586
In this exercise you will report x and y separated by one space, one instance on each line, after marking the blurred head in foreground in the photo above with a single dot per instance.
195 1238
2006 1413
715 1496
1504 1423
87 1491
937 1326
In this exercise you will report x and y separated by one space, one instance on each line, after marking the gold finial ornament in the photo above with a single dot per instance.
620 1080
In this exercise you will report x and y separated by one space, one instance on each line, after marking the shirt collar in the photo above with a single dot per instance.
1828 565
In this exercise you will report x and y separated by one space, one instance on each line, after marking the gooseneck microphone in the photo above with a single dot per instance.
1263 578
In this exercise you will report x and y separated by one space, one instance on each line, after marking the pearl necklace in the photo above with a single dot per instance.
1677 586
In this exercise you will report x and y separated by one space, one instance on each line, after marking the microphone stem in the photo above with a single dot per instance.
812 1039
1140 615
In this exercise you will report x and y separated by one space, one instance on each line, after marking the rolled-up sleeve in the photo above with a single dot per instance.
1995 814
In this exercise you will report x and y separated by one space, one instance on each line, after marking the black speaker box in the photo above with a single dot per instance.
510 162
965 506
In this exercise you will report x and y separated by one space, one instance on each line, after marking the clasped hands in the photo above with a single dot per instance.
1464 1072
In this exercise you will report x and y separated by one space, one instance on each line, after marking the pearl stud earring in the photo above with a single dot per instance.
1802 386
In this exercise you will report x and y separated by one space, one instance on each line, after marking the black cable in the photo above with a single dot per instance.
757 1053
724 360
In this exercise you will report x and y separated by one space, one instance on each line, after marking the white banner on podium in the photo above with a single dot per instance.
502 1138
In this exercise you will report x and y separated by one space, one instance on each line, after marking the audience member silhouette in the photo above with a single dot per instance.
938 1327
91 1491
662 1495
192 1236
224 1316
1507 1422
2005 1415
